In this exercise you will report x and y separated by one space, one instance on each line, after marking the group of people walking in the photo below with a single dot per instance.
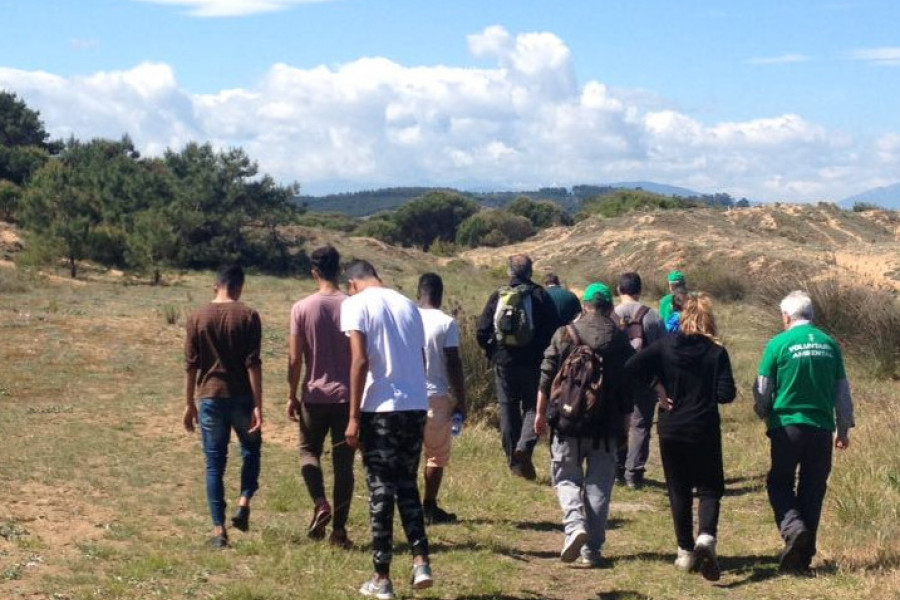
382 374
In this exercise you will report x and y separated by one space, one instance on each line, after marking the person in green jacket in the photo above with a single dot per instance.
803 393
677 284
567 304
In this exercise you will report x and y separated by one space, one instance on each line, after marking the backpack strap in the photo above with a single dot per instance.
573 334
640 314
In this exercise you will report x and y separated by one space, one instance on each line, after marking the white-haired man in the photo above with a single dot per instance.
803 393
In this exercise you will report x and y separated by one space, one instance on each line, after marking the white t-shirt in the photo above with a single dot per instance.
395 341
441 331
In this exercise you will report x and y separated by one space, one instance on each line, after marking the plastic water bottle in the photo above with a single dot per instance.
457 425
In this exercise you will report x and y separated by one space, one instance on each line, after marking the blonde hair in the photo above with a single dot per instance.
697 316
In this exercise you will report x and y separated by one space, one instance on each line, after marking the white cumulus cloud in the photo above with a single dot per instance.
522 121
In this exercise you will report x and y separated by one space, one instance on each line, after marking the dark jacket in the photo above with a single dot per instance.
696 373
567 304
605 337
545 323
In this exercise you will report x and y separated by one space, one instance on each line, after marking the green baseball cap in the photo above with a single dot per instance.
597 289
676 277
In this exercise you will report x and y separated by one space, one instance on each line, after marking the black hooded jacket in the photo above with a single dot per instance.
696 373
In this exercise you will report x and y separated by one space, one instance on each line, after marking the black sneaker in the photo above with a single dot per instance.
241 519
319 522
798 551
523 466
434 514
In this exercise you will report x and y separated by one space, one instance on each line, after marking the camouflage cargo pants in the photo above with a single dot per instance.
391 449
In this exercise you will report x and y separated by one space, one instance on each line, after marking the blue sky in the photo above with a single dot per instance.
774 100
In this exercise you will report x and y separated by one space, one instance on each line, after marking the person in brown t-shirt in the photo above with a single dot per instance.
223 368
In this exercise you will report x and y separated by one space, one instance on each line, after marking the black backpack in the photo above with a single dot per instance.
577 395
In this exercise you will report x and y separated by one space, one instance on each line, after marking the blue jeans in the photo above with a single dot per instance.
218 416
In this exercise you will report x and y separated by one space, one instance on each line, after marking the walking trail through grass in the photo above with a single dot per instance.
102 492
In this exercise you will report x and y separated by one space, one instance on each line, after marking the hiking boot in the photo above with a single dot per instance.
382 589
705 559
422 577
319 522
339 539
685 560
435 515
798 551
572 546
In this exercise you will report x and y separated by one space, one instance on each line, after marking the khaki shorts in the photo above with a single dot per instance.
438 431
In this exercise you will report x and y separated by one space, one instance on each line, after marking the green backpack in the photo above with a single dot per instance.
514 317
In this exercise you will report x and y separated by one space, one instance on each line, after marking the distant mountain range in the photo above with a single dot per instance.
368 202
885 197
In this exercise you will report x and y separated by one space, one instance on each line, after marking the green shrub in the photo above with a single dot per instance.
493 228
477 370
721 280
542 213
9 199
445 249
170 314
621 202
329 220
381 227
435 216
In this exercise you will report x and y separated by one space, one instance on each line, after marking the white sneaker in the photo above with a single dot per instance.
705 557
685 560
572 547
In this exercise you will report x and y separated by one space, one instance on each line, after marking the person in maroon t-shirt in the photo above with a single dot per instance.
319 403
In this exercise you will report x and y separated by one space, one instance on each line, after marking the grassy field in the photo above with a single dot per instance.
102 493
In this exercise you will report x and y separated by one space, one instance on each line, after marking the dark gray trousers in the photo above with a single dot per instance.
633 456
517 388
798 477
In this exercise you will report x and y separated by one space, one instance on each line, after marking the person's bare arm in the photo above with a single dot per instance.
296 346
190 409
665 403
457 379
256 385
359 368
540 417
191 360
